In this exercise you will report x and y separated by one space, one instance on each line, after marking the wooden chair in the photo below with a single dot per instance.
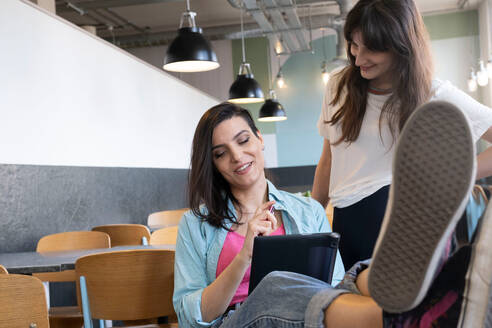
164 219
125 234
69 241
126 285
164 236
68 316
22 302
3 270
73 240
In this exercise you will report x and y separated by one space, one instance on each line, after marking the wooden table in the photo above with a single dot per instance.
34 262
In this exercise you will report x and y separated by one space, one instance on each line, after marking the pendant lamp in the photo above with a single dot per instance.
489 68
482 75
245 89
272 110
280 76
325 75
280 79
472 81
190 51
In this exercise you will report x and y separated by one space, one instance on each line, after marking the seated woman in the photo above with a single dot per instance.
230 201
411 282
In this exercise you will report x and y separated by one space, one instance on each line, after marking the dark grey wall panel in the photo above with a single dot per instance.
40 200
292 178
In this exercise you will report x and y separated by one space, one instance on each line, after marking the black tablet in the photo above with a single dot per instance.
309 254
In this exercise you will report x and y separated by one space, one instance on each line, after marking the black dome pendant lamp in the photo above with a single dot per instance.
272 110
245 89
190 51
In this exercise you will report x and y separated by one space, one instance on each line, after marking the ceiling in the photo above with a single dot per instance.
156 21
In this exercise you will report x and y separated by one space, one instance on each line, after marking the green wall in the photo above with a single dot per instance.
298 140
453 25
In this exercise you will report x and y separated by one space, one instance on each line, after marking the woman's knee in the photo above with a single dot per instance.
274 278
285 278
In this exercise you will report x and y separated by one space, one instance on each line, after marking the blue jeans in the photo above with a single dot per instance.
283 299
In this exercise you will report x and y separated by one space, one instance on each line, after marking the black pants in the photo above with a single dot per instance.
359 225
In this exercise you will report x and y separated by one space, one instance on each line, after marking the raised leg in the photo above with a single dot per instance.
350 310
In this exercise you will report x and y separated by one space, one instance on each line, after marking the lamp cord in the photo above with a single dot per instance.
279 66
242 33
323 38
473 41
270 77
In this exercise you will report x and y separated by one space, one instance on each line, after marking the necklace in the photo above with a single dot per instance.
379 91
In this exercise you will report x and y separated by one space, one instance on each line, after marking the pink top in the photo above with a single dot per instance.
232 246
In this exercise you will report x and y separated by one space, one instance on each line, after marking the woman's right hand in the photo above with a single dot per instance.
262 224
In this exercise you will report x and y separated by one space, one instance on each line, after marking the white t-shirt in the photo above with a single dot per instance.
362 167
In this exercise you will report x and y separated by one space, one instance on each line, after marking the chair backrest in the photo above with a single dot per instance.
128 285
22 302
166 218
73 240
125 234
164 236
3 270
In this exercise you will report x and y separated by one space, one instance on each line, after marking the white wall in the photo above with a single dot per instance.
69 98
485 25
215 83
453 58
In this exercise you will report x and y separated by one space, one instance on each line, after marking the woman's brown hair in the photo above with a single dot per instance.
393 26
205 183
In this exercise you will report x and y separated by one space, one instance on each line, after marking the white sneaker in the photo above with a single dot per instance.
433 174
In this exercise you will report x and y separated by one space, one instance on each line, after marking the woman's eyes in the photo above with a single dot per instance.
218 155
240 141
243 141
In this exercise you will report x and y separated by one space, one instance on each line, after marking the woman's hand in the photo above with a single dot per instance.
263 223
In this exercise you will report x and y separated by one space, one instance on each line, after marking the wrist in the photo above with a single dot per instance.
244 257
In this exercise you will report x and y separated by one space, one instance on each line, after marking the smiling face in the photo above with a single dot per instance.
237 153
375 66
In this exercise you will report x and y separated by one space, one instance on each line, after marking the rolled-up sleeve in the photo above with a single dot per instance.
190 276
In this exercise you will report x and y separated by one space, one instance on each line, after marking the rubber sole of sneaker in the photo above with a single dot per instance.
476 308
433 173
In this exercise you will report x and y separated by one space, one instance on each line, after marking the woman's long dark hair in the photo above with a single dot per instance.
393 26
205 183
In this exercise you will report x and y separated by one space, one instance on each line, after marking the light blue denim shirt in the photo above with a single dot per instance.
199 245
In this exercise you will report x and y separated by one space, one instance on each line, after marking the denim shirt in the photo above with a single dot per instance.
199 245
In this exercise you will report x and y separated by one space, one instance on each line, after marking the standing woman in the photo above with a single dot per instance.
230 201
365 107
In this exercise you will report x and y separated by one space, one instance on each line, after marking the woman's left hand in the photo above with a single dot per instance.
264 223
